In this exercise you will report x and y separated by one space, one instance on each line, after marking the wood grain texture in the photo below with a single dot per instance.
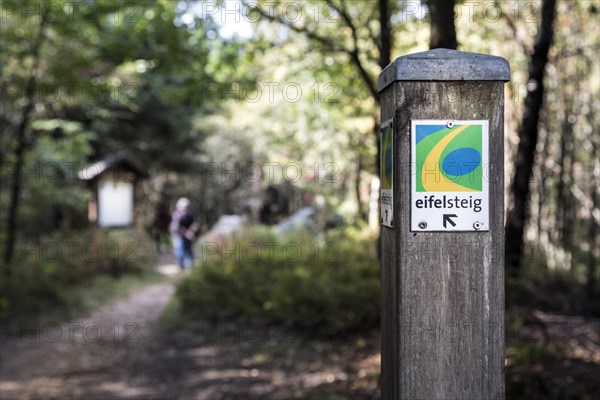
443 293
389 276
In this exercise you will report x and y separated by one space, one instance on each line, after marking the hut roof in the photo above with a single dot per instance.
92 171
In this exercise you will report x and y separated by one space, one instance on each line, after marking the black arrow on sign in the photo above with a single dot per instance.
447 219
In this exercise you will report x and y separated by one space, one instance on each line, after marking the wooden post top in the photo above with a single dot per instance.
445 65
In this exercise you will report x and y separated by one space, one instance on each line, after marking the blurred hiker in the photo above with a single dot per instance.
160 226
183 228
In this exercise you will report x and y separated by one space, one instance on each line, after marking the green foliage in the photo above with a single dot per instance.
53 197
112 77
328 288
526 355
48 274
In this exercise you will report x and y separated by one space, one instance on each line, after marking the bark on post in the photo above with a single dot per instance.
443 289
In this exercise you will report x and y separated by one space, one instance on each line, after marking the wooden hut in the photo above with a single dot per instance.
116 191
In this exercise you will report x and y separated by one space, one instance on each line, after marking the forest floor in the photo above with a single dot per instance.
125 351
553 356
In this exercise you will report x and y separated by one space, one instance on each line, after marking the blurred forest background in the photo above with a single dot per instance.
259 109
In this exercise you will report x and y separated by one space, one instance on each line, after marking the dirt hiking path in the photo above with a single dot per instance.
87 358
121 351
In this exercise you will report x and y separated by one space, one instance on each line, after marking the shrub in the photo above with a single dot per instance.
327 287
42 275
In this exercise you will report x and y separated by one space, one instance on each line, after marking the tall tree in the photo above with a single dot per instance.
528 135
593 231
385 46
113 76
346 29
443 31
352 34
21 137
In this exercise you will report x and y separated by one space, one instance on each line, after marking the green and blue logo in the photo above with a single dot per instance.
449 159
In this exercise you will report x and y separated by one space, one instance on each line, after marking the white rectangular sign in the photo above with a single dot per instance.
115 203
386 168
449 183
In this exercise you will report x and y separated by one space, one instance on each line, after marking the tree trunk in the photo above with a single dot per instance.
21 131
385 57
565 210
443 31
594 235
357 181
542 175
566 207
528 135
385 53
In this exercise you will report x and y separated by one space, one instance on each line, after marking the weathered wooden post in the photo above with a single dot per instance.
442 215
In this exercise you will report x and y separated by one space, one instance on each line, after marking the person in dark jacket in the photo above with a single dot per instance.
160 226
183 230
